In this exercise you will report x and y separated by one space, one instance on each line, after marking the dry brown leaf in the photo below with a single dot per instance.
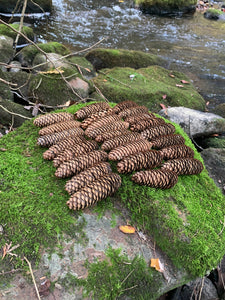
155 263
127 229
171 75
179 85
88 70
184 81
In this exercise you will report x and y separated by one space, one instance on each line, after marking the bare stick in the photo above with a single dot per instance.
21 24
7 82
32 275
11 272
12 113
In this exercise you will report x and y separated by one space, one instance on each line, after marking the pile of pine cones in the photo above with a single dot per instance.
80 145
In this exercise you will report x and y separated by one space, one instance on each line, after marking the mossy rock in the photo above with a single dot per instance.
213 14
28 53
149 86
109 58
27 31
168 7
220 110
40 6
213 142
5 91
185 221
6 49
83 64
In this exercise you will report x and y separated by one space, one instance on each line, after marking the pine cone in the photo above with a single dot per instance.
137 118
167 140
177 151
129 149
144 124
54 150
143 160
163 179
133 111
123 105
111 134
98 190
183 166
109 127
154 132
87 176
75 151
95 117
80 163
102 122
90 109
51 139
52 118
121 140
58 127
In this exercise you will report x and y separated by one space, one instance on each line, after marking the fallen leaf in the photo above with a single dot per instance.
127 229
3 149
155 263
171 75
163 106
88 70
105 80
179 85
184 81
164 97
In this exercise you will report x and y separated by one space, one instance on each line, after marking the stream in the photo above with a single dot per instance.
191 44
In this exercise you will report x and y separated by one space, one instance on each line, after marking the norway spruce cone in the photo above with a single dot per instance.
111 134
144 124
109 127
95 117
123 105
90 109
167 140
162 179
137 118
80 163
121 140
75 151
98 190
51 139
59 127
102 122
54 150
156 131
133 111
87 176
52 118
143 160
129 149
177 151
183 166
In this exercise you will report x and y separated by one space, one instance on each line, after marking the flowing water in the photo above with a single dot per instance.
191 44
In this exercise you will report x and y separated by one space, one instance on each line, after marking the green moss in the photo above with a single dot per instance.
147 86
85 66
28 31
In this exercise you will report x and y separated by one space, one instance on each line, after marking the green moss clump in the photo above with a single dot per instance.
84 65
147 86
5 30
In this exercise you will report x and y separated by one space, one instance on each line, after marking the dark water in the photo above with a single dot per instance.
192 44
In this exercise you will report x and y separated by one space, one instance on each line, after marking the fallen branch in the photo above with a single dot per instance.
32 275
21 25
15 114
11 272
7 82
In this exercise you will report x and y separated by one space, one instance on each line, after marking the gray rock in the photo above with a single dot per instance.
195 123
15 66
54 61
6 48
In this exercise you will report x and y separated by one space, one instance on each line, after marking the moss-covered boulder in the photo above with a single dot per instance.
149 86
39 6
186 222
169 7
28 53
109 58
5 91
84 66
220 110
27 31
213 13
6 48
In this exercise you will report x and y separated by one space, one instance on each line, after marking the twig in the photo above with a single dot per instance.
200 292
21 24
100 93
11 272
12 113
38 6
32 275
7 82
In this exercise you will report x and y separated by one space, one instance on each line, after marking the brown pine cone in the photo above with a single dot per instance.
98 190
143 160
87 176
90 109
109 127
177 151
111 134
57 127
52 118
51 139
162 179
144 124
80 163
94 117
54 150
137 118
183 166
156 131
121 140
75 151
133 111
167 140
129 149
124 105
102 122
